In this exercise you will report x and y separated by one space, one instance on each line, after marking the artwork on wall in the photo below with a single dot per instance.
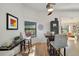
12 22
54 26
30 27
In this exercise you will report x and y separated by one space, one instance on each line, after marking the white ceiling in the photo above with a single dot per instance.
41 7
59 6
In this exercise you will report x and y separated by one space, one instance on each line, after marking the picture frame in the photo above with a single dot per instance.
30 27
12 22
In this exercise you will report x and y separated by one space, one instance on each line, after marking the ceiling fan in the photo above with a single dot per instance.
50 8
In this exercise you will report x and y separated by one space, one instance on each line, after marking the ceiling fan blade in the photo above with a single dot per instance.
50 6
49 13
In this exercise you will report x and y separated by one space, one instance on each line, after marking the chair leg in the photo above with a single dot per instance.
64 51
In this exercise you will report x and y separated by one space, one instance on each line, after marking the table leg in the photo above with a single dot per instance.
24 45
64 51
20 47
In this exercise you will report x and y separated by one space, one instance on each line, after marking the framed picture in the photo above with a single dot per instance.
12 22
30 27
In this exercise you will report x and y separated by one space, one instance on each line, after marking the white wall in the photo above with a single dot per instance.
38 17
24 14
14 9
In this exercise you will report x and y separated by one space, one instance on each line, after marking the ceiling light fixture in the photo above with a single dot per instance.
50 8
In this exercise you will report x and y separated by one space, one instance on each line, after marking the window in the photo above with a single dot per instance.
30 27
